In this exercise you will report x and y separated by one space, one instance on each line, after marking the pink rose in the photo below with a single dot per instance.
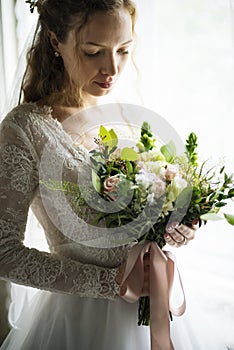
111 182
171 172
110 185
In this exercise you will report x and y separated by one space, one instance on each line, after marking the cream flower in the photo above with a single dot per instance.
176 187
158 187
170 172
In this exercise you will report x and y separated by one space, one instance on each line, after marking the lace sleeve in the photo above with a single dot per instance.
31 267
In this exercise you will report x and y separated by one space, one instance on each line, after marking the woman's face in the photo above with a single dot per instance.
103 51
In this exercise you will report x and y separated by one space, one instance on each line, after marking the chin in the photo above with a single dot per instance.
96 94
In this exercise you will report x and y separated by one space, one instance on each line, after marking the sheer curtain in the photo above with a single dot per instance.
188 79
8 47
16 30
8 59
185 57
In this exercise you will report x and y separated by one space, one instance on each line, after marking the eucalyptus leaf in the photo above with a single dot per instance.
184 197
97 184
231 193
109 138
229 218
211 216
114 138
129 154
169 151
104 134
129 167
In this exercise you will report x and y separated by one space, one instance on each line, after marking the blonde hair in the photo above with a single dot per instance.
46 77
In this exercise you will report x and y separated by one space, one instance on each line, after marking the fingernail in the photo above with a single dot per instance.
172 226
169 229
166 236
175 224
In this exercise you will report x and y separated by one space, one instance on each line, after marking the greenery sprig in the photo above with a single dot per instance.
191 146
147 139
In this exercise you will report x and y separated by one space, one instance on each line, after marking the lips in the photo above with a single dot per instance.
105 85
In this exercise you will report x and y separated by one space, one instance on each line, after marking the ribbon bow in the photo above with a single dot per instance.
162 265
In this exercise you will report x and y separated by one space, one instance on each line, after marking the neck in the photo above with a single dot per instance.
62 112
90 100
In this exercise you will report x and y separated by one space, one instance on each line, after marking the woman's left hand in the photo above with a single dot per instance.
177 234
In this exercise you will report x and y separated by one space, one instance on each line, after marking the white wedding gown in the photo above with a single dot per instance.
76 307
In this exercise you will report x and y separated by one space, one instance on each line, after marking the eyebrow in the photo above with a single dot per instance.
100 45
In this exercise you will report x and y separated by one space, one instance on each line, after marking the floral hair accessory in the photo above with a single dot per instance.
33 4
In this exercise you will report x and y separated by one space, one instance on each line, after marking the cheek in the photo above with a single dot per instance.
69 64
86 71
78 71
122 64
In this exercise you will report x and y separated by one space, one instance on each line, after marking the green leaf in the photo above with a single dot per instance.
109 138
229 218
222 169
129 167
184 198
169 151
210 216
104 134
129 154
114 138
231 193
97 184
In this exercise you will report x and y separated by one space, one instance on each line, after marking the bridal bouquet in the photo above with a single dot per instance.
163 185
152 182
154 176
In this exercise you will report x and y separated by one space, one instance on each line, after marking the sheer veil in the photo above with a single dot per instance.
34 237
185 60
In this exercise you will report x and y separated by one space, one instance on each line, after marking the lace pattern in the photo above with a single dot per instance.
69 268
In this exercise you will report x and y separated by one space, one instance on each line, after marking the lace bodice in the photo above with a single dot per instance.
69 267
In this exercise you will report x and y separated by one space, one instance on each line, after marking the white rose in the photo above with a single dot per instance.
176 187
144 178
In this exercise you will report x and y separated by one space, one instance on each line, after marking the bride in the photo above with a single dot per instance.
80 50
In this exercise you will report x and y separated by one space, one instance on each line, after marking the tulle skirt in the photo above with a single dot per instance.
67 322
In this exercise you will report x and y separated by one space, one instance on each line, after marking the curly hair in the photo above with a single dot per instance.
46 77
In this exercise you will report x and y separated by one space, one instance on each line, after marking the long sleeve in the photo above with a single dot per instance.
31 267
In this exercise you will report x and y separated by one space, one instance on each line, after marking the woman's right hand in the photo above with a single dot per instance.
146 284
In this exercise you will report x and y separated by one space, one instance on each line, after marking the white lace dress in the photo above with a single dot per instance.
77 306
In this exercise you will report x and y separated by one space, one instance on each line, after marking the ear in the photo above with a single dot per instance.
53 40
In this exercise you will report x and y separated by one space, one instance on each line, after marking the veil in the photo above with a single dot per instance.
20 295
185 60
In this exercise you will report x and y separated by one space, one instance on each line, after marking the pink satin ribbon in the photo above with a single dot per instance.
162 266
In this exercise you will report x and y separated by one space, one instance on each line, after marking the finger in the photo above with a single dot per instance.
187 232
179 238
178 233
171 241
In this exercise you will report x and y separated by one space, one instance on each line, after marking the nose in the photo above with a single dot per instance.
110 65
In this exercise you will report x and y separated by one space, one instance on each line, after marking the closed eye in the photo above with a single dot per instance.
123 52
89 54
